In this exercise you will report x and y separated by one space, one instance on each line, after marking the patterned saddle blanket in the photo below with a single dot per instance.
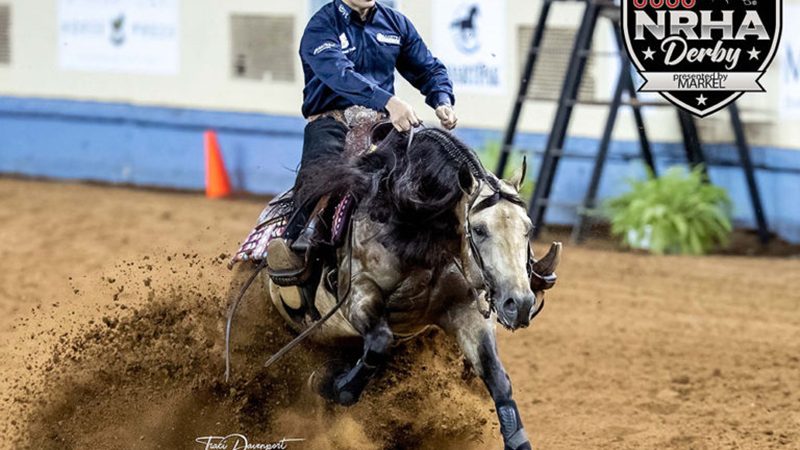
365 130
272 223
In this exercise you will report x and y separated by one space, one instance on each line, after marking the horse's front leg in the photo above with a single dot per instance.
366 313
476 337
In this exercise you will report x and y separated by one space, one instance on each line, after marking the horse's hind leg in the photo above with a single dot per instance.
366 315
476 337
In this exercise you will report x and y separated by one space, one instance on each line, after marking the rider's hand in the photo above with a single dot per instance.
402 114
447 116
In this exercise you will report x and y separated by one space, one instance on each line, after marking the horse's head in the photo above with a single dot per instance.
498 237
413 191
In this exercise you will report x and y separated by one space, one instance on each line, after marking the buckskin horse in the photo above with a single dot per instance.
435 240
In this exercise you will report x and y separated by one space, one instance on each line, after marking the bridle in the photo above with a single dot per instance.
466 157
473 206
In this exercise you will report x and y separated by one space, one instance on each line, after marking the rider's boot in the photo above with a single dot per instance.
285 255
281 258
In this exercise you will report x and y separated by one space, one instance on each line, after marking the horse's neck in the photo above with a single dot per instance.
369 232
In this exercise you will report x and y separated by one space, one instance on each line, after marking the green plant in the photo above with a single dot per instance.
489 155
678 212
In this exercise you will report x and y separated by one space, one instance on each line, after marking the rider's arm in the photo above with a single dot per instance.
320 48
425 72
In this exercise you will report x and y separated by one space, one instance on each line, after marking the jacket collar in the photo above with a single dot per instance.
349 15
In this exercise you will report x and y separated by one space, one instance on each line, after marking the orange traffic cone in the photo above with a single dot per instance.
217 183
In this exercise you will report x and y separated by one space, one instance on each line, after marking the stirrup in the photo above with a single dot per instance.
285 267
310 236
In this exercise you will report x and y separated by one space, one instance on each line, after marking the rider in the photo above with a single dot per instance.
350 50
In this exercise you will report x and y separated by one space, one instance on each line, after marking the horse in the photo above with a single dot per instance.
435 241
467 24
465 31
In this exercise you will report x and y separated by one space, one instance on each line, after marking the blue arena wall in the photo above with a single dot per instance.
163 147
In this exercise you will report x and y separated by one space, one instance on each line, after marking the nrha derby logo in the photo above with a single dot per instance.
701 55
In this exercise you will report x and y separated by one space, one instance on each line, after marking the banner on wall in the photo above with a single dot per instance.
708 55
469 37
128 36
790 65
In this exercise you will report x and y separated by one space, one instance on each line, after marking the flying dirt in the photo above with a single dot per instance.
112 303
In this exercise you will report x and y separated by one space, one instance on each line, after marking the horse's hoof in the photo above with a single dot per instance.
346 398
525 446
322 381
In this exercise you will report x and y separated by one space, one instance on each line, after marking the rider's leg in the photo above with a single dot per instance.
476 337
323 138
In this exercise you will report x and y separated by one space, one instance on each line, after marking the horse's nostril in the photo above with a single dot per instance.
510 308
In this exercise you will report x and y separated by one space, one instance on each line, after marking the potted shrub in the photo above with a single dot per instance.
679 212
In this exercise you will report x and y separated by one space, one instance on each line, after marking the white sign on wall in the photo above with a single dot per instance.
469 36
790 64
129 36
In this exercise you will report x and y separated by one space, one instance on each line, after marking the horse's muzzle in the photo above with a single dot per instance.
517 311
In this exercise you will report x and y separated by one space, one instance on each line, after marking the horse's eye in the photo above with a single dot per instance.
480 231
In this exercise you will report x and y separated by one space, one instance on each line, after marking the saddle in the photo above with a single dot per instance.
330 217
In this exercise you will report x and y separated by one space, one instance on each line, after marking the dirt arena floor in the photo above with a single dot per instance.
112 300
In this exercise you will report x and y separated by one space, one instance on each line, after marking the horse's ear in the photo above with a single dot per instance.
518 178
465 179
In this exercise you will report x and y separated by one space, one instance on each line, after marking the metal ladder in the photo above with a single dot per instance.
568 98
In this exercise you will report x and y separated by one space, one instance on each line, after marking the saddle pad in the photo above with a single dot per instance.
272 223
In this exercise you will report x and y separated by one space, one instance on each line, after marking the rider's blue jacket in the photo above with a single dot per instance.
347 61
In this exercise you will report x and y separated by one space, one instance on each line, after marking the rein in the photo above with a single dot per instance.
476 256
232 312
302 336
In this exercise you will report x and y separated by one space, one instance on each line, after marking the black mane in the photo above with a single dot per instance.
413 190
